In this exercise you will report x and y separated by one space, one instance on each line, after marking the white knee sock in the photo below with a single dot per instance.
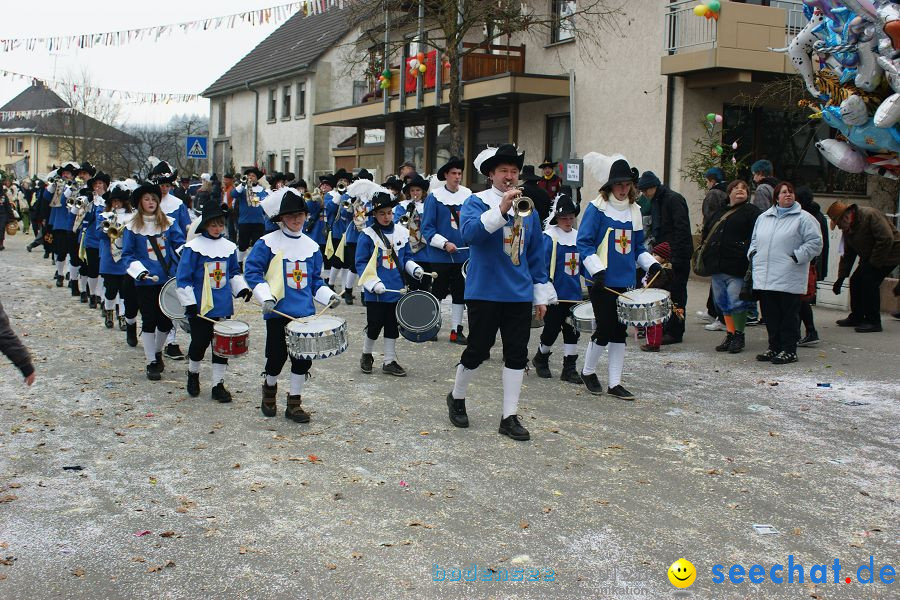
83 282
297 382
271 380
570 349
101 287
544 349
129 320
60 267
461 383
73 273
350 279
94 286
218 372
170 337
332 274
456 315
242 255
390 350
161 340
121 304
109 304
368 345
591 358
342 276
193 366
149 342
616 363
512 387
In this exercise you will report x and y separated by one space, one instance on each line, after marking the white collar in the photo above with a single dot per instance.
257 188
145 231
448 198
399 237
566 238
492 197
291 248
637 221
218 248
170 203
99 200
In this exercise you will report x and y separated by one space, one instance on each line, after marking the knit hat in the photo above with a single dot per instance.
662 250
762 166
648 180
715 173
836 211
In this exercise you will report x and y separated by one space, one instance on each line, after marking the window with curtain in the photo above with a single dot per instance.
273 103
286 102
301 99
562 27
558 144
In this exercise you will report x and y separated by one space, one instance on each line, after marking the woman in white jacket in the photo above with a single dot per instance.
785 240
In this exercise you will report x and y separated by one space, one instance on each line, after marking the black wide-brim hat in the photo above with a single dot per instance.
564 206
329 179
619 172
343 174
528 174
393 183
417 181
507 154
364 174
100 176
163 173
144 188
291 204
259 174
276 176
86 166
211 210
547 163
454 163
120 193
381 200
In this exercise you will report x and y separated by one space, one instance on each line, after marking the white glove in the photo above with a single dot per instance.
418 273
268 306
378 288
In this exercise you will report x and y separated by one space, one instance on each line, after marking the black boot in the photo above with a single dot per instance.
159 361
365 363
85 297
569 372
59 280
268 405
73 285
511 427
348 296
123 326
193 384
131 334
457 408
541 364
153 371
294 410
726 343
93 301
108 318
737 343
460 337
220 394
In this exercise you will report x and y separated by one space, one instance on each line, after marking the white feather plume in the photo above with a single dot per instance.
271 204
552 211
600 164
153 161
365 189
434 183
483 156
128 185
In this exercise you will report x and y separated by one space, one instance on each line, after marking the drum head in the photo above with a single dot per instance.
583 311
418 311
320 325
169 304
643 296
231 327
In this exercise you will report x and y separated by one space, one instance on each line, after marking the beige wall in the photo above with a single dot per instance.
38 148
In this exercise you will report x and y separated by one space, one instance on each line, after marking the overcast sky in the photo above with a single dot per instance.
178 63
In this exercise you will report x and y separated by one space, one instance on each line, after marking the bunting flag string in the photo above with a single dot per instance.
125 96
6 115
273 14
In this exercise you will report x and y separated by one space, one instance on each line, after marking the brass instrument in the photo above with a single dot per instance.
112 228
307 196
316 194
359 214
244 180
523 206
404 220
346 204
57 193
341 188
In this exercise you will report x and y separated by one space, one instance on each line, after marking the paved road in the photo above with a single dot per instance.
380 495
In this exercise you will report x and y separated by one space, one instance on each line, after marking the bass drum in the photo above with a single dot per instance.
419 316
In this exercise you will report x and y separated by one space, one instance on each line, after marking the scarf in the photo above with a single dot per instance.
618 204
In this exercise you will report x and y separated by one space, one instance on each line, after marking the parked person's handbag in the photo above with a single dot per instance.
747 294
813 277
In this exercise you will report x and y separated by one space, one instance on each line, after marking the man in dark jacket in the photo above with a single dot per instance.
871 236
765 181
542 200
12 347
670 222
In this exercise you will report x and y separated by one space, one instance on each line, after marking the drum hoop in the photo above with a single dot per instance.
341 324
434 321
579 305
217 327
172 316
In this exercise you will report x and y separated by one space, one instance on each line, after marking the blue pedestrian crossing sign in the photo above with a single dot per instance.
196 147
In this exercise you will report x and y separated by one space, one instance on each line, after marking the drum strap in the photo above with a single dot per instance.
390 247
159 255
454 214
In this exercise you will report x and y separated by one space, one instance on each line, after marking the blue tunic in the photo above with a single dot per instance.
332 217
315 222
60 217
216 259
387 271
112 264
567 272
90 233
249 214
441 223
623 233
138 254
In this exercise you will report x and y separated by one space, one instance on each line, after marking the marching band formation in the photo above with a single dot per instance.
129 247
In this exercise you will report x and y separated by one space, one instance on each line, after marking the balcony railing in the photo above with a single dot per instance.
686 32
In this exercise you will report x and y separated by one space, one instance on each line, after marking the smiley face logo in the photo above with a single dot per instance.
682 573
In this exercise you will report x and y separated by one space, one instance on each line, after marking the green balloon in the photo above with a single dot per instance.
714 5
386 73
719 149
711 117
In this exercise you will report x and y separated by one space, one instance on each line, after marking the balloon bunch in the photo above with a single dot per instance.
855 44
416 65
710 10
384 80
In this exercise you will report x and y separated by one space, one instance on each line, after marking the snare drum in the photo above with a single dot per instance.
642 307
583 317
465 268
231 338
419 316
169 304
313 339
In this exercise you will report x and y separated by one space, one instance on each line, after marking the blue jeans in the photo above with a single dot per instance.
726 292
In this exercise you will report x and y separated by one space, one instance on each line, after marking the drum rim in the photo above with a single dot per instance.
580 304
435 322
226 322
171 283
341 324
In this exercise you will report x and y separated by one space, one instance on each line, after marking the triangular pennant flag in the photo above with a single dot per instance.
371 270
275 276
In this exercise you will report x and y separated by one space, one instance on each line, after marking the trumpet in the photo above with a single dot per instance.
316 194
341 188
404 220
307 196
112 228
244 180
523 207
346 204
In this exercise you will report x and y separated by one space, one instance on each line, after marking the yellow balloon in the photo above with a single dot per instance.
422 68
700 10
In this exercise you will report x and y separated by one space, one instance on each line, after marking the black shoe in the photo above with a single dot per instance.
726 343
294 410
392 368
73 286
668 339
153 371
28 248
621 393
848 322
810 339
220 394
365 363
783 358
457 408
174 352
131 334
268 406
159 361
896 315
569 372
108 318
47 255
753 321
592 384
460 337
766 356
511 427
737 343
193 384
541 364
348 296
123 326
868 328
85 298
59 281
92 301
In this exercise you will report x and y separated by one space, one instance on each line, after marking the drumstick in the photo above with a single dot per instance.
279 313
400 291
206 318
571 301
616 293
649 283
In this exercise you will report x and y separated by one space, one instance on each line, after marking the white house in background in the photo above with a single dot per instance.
260 110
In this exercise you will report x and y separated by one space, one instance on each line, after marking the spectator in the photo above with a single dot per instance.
868 234
183 191
715 199
654 333
817 269
786 239
531 184
550 182
670 223
725 257
407 172
764 179
7 213
14 350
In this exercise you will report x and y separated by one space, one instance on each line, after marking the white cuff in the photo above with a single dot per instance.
545 293
644 260
438 241
411 267
592 264
262 292
186 295
324 295
238 283
135 269
493 219
239 188
370 284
